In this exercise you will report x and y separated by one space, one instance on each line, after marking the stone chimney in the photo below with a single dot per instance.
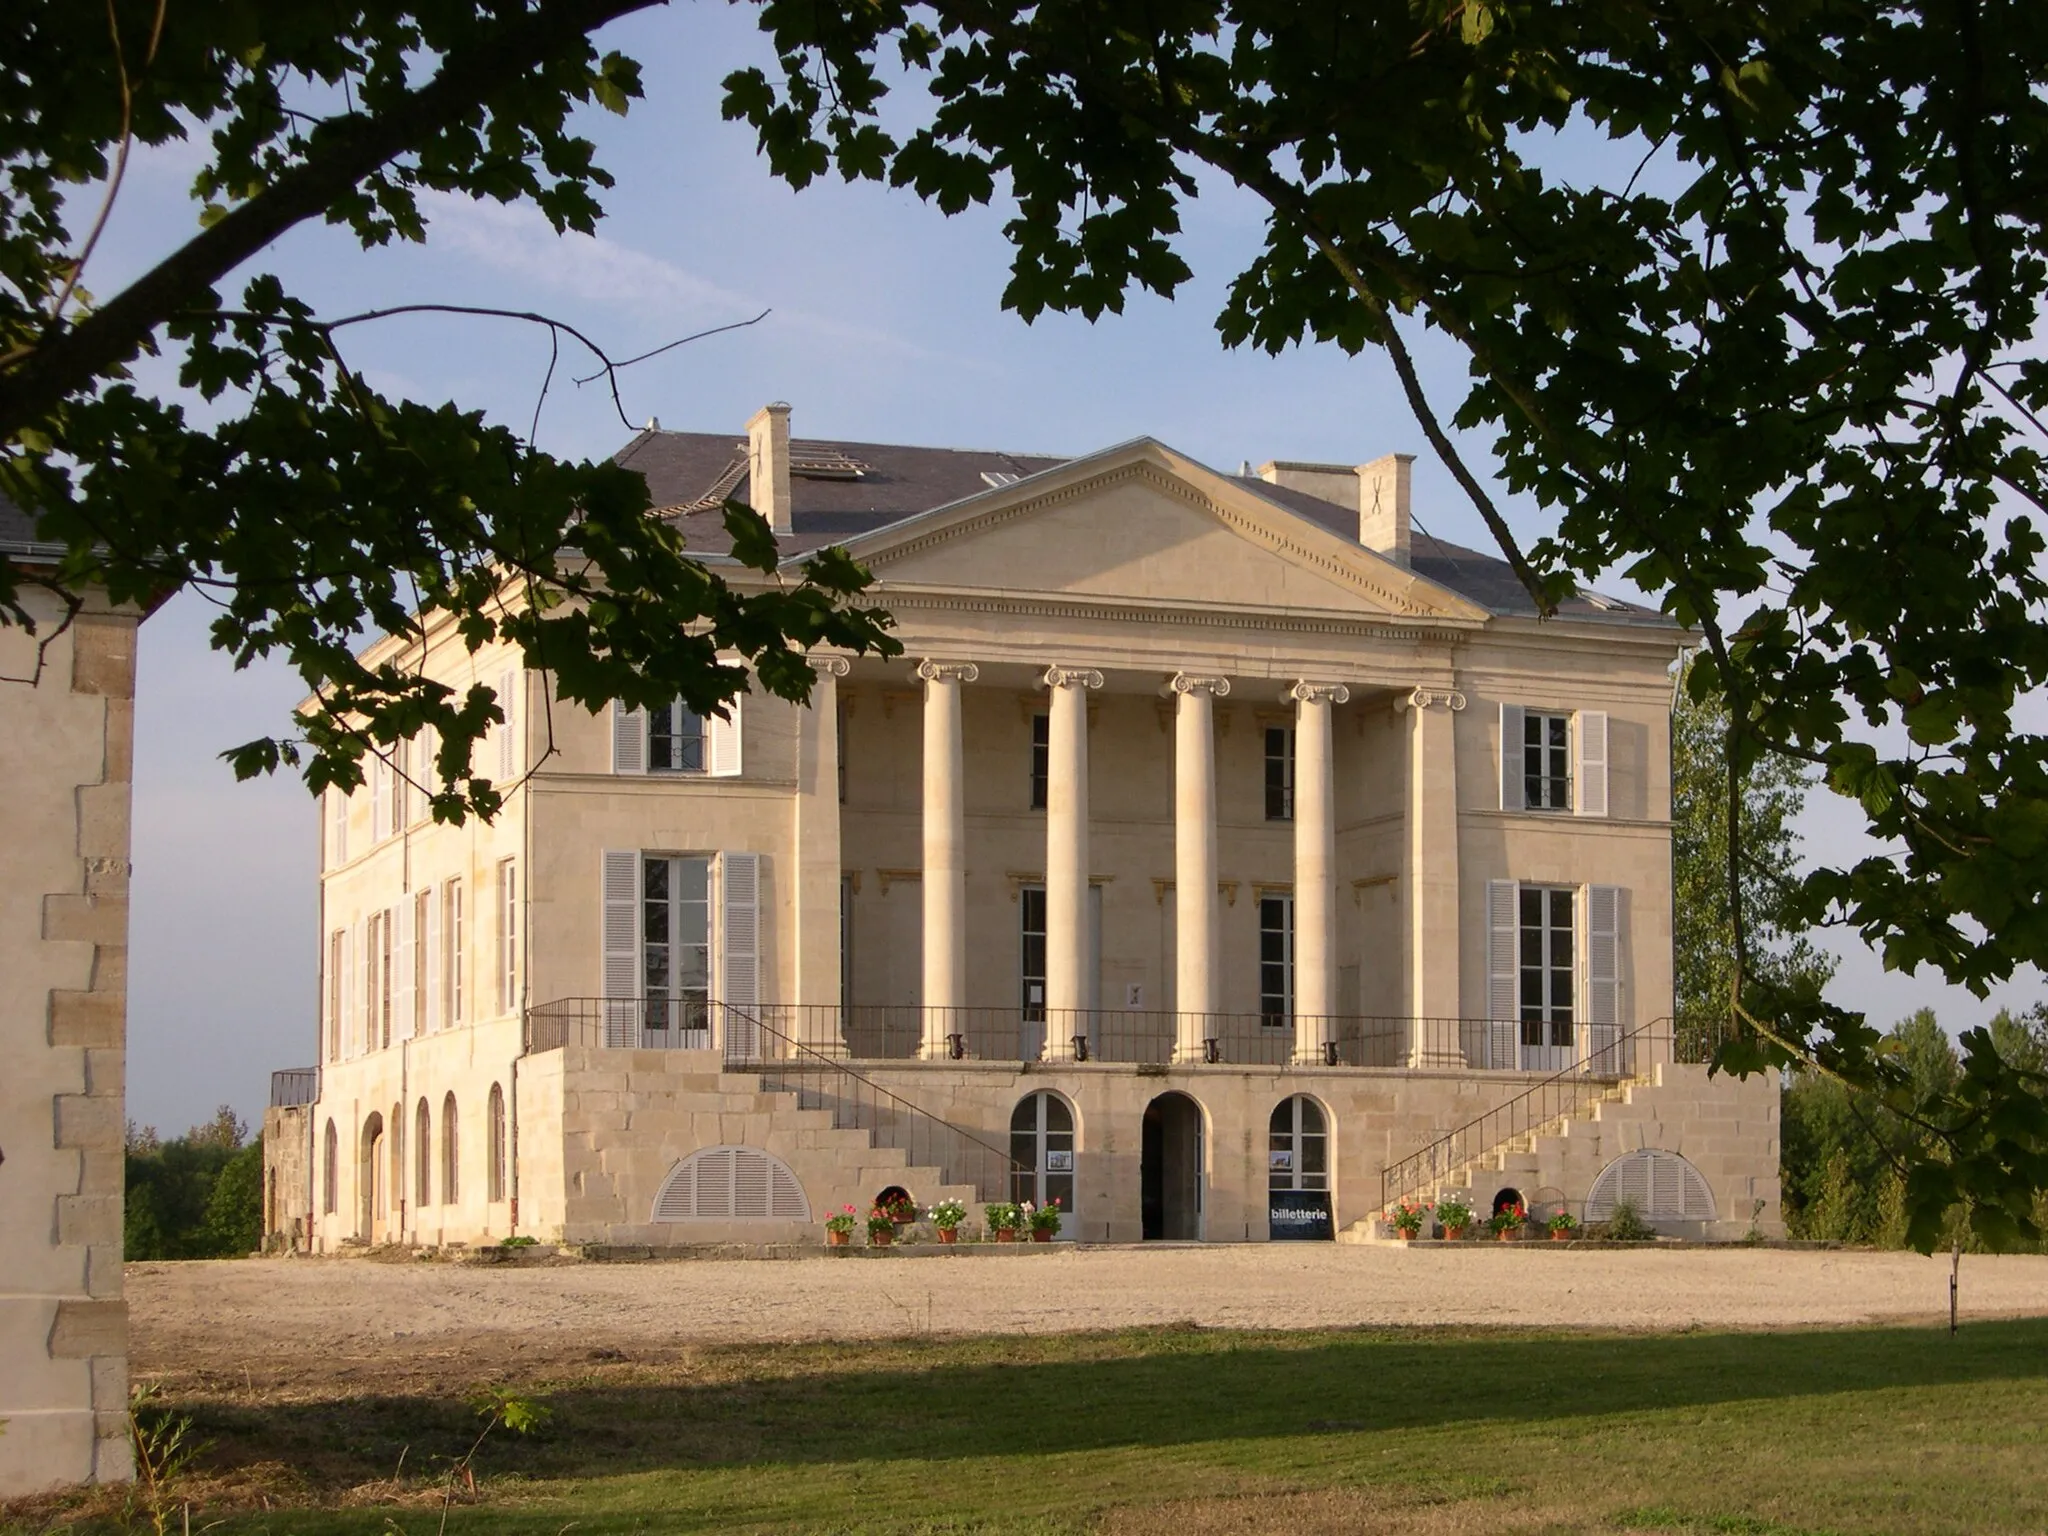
1383 502
768 464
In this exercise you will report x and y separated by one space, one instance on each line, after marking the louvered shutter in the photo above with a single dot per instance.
1589 745
714 1183
425 750
509 754
724 744
786 1200
345 961
380 798
1603 974
1502 971
340 804
749 1184
621 945
432 939
402 990
629 739
739 942
1512 767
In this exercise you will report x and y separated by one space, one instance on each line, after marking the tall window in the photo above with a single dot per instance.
1031 951
675 940
1276 960
1042 1147
508 935
494 1167
1547 762
451 1153
336 962
330 1155
422 1157
422 960
1546 967
1280 773
1041 759
452 935
675 740
1298 1145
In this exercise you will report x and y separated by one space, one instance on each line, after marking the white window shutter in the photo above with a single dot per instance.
380 798
1589 743
629 739
340 806
432 939
1512 767
621 944
724 745
1502 969
739 941
509 754
402 992
1603 968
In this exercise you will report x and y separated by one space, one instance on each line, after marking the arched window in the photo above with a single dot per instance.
1042 1147
451 1157
1662 1186
330 1194
423 1156
731 1184
1298 1145
494 1169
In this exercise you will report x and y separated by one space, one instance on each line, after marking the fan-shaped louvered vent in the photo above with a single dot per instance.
731 1184
1662 1186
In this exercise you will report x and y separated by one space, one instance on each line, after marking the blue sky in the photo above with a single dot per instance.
887 325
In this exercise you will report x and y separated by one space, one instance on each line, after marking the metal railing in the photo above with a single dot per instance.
294 1086
888 1032
751 1040
1596 1072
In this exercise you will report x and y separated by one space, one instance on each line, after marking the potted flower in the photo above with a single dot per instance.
946 1217
1003 1220
881 1228
1455 1216
1507 1222
1045 1221
839 1228
901 1208
1406 1219
1564 1226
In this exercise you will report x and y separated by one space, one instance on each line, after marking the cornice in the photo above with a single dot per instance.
1437 629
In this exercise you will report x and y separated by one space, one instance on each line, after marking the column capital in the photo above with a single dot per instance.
830 666
1188 682
1315 693
1072 677
1431 698
947 671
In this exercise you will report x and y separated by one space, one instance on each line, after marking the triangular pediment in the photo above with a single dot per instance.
1144 524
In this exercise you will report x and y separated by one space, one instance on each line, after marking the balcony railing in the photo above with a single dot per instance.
1080 1036
294 1086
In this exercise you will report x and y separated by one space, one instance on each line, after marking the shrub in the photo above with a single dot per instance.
947 1215
1626 1225
1453 1213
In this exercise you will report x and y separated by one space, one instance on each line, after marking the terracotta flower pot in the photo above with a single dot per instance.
881 1239
1406 1234
1560 1234
837 1239
1454 1234
1005 1235
949 1234
1041 1235
1508 1234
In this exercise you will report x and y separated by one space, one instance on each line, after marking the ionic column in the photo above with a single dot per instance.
1194 858
1315 867
945 852
1066 852
1430 870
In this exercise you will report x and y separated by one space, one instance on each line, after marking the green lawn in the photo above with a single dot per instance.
1186 1432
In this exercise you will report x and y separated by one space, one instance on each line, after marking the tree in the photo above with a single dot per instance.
1772 352
1773 789
316 510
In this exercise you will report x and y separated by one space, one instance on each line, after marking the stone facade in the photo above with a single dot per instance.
66 730
1191 794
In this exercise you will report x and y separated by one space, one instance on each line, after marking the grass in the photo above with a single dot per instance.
1182 1433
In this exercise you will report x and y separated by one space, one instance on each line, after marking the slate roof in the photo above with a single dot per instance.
17 529
900 481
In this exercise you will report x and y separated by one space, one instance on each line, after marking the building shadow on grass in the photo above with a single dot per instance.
937 1401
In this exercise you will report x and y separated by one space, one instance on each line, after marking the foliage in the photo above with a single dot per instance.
947 1215
315 509
1407 1216
1002 1216
165 1449
900 1206
842 1221
1043 1218
1563 1221
519 1240
1509 1218
881 1224
197 1196
1625 1225
1749 298
1454 1214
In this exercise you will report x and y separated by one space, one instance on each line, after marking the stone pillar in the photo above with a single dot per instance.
1194 858
815 986
945 852
1066 855
1430 877
1315 868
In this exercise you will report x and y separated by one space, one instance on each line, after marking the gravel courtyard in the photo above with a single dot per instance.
364 1323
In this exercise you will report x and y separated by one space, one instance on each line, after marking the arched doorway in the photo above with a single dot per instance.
372 1197
1042 1148
1170 1169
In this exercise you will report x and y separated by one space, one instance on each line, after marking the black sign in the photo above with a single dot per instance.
1300 1216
